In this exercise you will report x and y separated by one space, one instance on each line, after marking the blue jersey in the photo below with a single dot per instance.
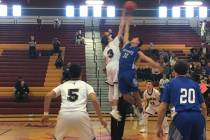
128 57
183 93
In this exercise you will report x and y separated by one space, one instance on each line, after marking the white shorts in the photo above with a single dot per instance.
74 124
152 110
113 92
112 69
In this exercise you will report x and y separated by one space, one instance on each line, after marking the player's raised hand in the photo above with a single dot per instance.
160 132
45 119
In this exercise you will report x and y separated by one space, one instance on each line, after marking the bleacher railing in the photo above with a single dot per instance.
97 68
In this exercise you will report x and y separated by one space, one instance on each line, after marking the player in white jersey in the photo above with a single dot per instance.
152 103
112 55
73 116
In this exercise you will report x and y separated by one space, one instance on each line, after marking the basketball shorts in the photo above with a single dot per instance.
74 124
112 69
152 110
128 82
187 126
113 93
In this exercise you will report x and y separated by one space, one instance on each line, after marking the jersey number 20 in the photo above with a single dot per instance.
72 95
187 96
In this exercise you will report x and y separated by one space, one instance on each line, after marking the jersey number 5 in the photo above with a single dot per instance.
72 95
187 96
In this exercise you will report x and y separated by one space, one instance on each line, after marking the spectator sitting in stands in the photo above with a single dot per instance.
194 55
163 82
148 73
172 59
150 48
59 62
21 90
156 75
164 56
56 45
207 68
66 75
144 73
138 73
152 52
32 47
191 68
79 38
172 75
18 81
203 61
196 74
167 70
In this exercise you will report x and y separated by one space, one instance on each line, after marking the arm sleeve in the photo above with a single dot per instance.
158 93
90 89
165 96
105 53
116 42
144 96
199 94
57 90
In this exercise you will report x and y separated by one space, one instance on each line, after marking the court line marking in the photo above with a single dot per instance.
6 131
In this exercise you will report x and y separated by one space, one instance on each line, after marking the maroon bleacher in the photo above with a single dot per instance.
34 105
20 33
163 34
14 63
76 55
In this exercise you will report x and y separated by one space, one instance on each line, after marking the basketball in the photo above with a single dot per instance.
130 6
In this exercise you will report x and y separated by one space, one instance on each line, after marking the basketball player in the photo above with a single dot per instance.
73 112
128 84
152 103
112 55
127 81
190 110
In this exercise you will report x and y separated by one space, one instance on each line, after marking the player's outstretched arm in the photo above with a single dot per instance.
47 101
122 24
161 115
127 29
97 108
149 60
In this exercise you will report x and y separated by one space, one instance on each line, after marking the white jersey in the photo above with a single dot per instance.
112 52
74 95
152 98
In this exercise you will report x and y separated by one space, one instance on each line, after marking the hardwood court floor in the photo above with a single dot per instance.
34 131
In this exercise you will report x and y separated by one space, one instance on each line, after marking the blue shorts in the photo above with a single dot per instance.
127 82
187 126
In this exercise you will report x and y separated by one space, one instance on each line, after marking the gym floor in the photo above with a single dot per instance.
35 131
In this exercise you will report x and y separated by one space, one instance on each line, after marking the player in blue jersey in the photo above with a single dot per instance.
128 84
185 97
